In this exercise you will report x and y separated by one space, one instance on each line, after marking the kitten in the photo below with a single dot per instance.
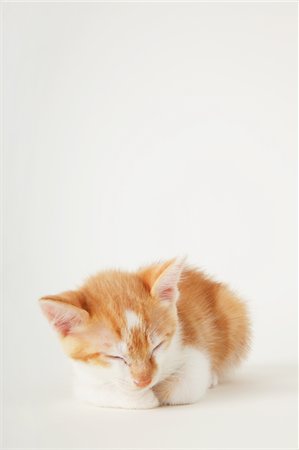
160 336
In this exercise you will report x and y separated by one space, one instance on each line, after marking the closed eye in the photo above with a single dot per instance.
158 346
116 357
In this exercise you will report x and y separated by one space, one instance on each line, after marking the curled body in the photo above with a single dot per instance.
161 335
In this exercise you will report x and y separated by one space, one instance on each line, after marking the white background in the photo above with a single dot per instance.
135 132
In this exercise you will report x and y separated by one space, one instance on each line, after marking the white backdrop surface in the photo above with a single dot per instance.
141 131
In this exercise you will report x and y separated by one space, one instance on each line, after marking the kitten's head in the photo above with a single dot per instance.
120 321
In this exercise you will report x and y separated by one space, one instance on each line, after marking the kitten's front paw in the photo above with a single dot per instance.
177 390
148 400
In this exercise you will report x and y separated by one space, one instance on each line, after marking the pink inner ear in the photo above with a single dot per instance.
49 311
64 328
166 294
166 286
63 317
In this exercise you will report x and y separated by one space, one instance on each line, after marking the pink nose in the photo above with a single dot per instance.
142 382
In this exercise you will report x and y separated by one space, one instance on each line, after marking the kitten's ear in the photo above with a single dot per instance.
64 316
163 279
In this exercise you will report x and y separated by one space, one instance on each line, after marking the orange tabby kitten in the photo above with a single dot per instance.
162 335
